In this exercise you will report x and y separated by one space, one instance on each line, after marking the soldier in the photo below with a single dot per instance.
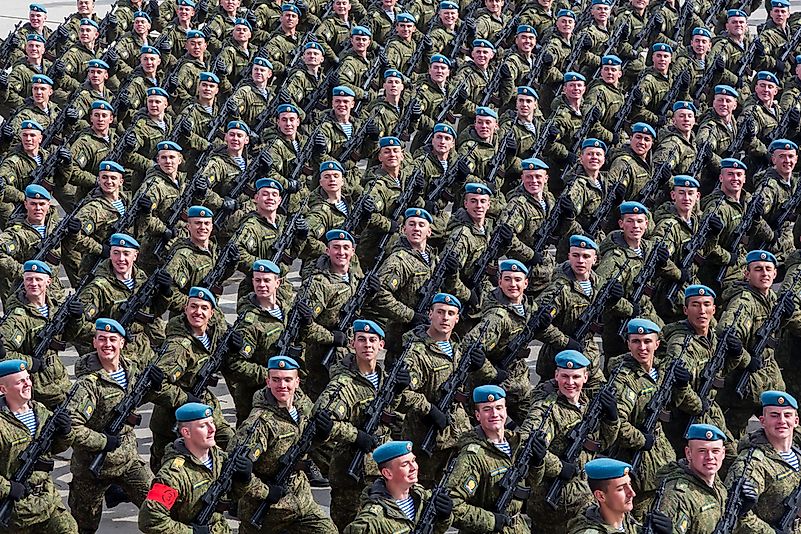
92 89
777 185
253 95
187 71
177 26
695 59
608 96
356 62
36 25
20 80
338 125
224 24
656 83
335 30
282 411
225 165
676 144
401 47
302 81
525 121
775 37
36 505
632 166
693 496
558 47
129 46
763 111
29 311
70 69
380 19
395 501
599 34
772 473
518 63
541 15
717 128
484 451
105 378
194 131
285 39
432 90
475 74
389 110
191 464
569 112
145 76
490 19
150 127
731 46
357 380
286 146
480 143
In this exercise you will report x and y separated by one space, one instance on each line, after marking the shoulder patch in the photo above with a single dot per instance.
178 462
249 318
470 485
473 448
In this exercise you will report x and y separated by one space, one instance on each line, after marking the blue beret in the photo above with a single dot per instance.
446 298
705 433
513 266
732 163
420 213
736 13
484 111
104 324
682 180
286 108
169 145
760 255
392 73
779 3
369 327
209 77
638 325
262 62
606 469
611 59
313 45
243 22
601 2
447 4
477 189
203 294
31 124
157 91
526 28
199 212
439 58
343 90
768 77
698 290
238 125
331 165
405 17
582 241
632 208
187 3
798 59
641 127
192 411
391 450
35 37
533 164
37 192
571 359
261 183
89 22
488 393
102 104
662 47
782 144
338 235
592 142
284 363
566 13
290 7
142 15
388 141
684 104
727 90
483 43
112 166
702 32
10 367
441 127
781 399
123 240
36 266
195 34
265 266
527 91
38 8
572 76
361 30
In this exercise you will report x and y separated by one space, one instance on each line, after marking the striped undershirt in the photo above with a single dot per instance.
28 419
407 507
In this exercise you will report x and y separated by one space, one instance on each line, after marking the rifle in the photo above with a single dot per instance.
440 188
519 469
428 517
215 277
579 437
207 376
243 185
103 27
284 242
286 342
646 30
587 321
705 80
789 48
622 114
533 76
406 117
601 213
37 448
461 36
745 62
792 504
491 89
692 252
179 207
222 485
434 283
717 7
642 283
375 412
648 523
544 235
653 186
8 46
685 13
509 28
445 107
497 160
355 142
123 412
522 339
452 389
55 128
784 125
734 503
543 139
490 254
764 335
53 40
680 83
419 49
132 309
714 366
701 155
47 336
787 213
319 93
592 116
304 155
289 460
44 252
656 409
621 33
740 231
371 74
737 143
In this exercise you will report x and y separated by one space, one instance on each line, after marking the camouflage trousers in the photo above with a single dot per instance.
295 513
345 499
58 522
575 497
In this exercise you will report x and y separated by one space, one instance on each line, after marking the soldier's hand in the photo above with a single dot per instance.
749 497
795 117
202 187
168 234
323 425
649 442
505 72
153 6
568 471
452 264
719 64
369 204
73 225
301 228
112 56
165 46
236 341
636 95
365 442
14 39
463 169
477 358
243 468
539 449
229 205
372 129
62 423
417 110
4 80
443 505
506 234
7 131
474 300
157 377
250 16
320 143
500 377
184 127
404 380
510 146
541 319
566 207
2 350
191 398
734 347
75 308
72 115
547 59
340 338
418 319
715 224
276 493
373 283
616 293
780 68
113 442
292 186
586 42
682 375
571 159
305 314
18 491
501 522
220 68
661 523
36 365
662 255
63 32
608 405
788 308
200 529
64 154
573 344
462 96
436 418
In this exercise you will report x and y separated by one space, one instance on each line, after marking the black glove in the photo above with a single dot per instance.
202 186
340 339
164 282
369 204
500 377
510 146
243 468
36 364
418 319
168 234
586 42
463 169
75 308
780 68
284 97
184 127
719 64
250 16
788 308
14 40
661 523
58 68
112 56
229 205
236 341
547 59
7 131
112 442
506 72
474 300
365 442
539 449
73 225
404 379
568 471
572 344
220 68
72 115
323 425
541 320
292 186
748 497
682 375
200 529
649 442
320 143
608 405
734 347
553 133
63 423
157 377
759 208
372 129
305 313
191 398
715 224
795 117
443 505
373 283
276 493
3 80
571 159
18 491
636 95
301 228
501 522
662 255
477 358
64 154
566 207
165 46
436 418
462 96
506 233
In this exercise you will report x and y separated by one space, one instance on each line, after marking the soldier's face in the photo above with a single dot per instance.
439 72
101 119
87 34
525 42
513 284
229 5
492 415
600 13
525 105
684 120
331 181
360 42
208 90
685 198
643 347
448 17
779 15
417 230
289 20
565 25
37 19
260 74
534 181
367 346
575 90
732 180
581 260
283 384
393 86
485 126
662 61
633 226
390 156
109 182
701 45
611 74
97 76
265 285
482 56
699 311
141 26
443 318
571 382
185 13
760 275
592 159
705 457
200 228
36 209
401 471
778 422
340 252
766 91
784 161
288 123
196 47
236 139
736 26
34 49
724 105
85 7
17 387
342 7
476 206
241 33
442 143
618 497
312 57
31 140
123 259
169 160
156 105
150 62
641 143
494 6
200 434
108 345
267 199
405 30
342 105
198 312
35 284
639 4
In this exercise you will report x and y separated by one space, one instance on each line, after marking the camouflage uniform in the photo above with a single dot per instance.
608 99
631 170
20 242
589 521
88 150
774 193
15 172
692 505
251 101
674 147
20 82
188 264
148 135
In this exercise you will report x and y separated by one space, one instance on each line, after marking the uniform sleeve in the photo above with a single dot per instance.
412 399
154 514
317 298
462 486
240 365
340 410
393 274
751 523
174 364
628 436
81 409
